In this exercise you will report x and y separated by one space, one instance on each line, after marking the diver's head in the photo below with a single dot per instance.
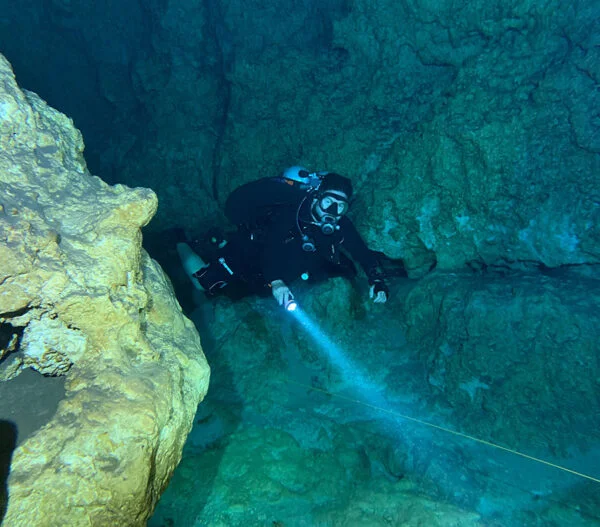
330 202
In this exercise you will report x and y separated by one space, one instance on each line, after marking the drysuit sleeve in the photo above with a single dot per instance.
358 250
254 200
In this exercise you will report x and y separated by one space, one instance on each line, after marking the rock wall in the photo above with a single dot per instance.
470 131
514 358
79 298
504 169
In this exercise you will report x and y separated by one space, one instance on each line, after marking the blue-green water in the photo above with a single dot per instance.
285 437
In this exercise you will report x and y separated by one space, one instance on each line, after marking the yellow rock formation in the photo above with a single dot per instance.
83 300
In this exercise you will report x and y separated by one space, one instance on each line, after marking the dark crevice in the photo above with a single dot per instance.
8 443
221 129
10 340
30 401
225 57
506 267
14 314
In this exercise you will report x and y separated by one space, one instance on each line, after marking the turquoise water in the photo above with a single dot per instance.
287 437
471 133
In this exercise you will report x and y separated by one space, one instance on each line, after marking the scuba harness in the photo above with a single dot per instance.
333 208
312 212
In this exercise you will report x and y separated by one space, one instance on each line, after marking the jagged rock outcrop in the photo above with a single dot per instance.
79 298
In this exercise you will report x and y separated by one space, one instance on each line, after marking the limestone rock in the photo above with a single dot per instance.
502 168
81 299
514 358
264 463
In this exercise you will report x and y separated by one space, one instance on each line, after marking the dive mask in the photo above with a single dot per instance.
333 205
329 207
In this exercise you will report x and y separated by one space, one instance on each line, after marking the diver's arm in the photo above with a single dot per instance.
367 259
355 245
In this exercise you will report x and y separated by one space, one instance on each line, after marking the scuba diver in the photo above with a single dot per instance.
288 227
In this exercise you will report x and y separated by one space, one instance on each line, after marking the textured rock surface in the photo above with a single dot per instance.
259 482
80 298
472 135
506 168
471 131
516 358
507 359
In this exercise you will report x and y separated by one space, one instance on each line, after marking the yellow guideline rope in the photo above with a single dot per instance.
443 429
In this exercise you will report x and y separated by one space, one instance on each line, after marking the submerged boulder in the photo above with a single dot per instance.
81 300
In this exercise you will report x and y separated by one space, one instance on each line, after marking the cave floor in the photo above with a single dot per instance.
283 439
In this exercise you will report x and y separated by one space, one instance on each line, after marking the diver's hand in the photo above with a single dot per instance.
379 292
281 292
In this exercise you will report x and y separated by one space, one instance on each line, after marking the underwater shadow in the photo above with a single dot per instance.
8 443
217 417
220 414
161 247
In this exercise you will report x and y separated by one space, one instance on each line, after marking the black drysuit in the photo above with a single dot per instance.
272 216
